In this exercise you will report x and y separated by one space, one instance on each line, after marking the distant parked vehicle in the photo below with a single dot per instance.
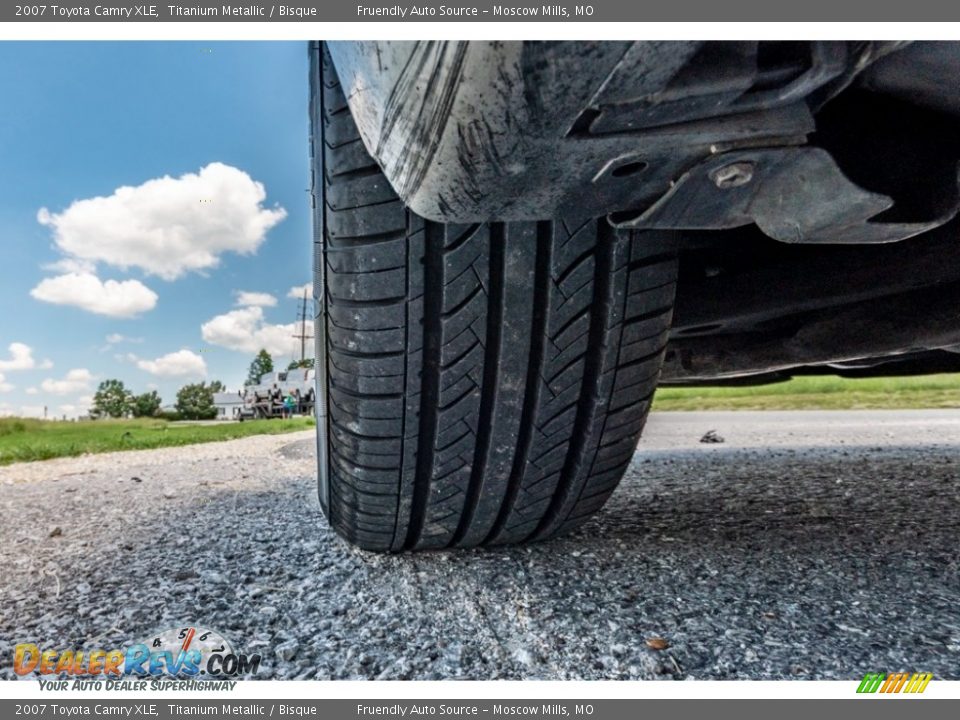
265 400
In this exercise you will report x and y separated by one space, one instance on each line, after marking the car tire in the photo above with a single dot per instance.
477 384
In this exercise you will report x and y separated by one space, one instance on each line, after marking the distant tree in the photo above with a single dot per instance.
147 404
217 386
306 363
112 399
261 365
195 402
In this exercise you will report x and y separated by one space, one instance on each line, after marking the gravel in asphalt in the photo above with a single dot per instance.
806 545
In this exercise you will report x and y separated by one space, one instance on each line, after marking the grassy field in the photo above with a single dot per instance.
820 393
22 440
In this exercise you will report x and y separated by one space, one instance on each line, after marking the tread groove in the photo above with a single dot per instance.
488 391
434 237
593 366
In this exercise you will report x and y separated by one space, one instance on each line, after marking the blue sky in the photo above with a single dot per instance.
150 195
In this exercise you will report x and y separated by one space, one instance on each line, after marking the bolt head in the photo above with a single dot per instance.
732 175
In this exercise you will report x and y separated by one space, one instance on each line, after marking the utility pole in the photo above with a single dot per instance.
302 336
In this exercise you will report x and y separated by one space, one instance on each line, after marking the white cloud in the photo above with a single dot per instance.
76 380
259 299
167 226
297 291
21 358
31 411
122 299
116 339
247 331
31 391
71 265
5 386
176 364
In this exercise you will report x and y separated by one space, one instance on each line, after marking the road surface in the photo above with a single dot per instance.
806 545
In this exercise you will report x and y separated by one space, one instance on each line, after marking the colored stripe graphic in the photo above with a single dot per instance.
918 683
894 683
870 683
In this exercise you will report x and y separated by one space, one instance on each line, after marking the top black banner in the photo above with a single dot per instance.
525 11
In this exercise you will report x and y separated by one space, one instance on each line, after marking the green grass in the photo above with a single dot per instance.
22 440
826 392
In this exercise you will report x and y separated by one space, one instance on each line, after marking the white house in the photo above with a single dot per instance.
228 405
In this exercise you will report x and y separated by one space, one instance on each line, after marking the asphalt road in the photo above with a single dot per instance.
807 545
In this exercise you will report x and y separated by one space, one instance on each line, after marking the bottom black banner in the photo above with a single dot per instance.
874 707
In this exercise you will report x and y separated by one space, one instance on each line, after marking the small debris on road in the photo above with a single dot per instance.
657 643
